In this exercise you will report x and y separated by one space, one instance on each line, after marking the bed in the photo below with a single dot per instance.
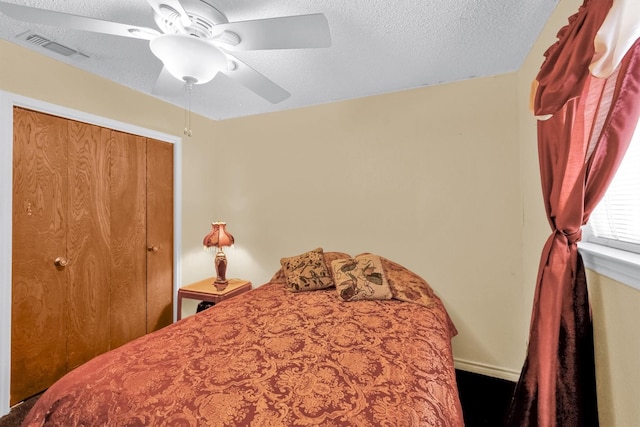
282 354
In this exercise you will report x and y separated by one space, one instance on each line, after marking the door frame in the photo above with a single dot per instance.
7 102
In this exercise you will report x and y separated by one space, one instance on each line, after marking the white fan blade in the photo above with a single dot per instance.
167 85
287 32
173 4
66 20
256 82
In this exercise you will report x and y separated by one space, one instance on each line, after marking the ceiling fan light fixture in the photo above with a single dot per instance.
188 58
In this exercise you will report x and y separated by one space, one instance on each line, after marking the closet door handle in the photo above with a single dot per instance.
152 248
61 262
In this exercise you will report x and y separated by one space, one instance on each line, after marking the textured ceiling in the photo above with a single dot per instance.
378 46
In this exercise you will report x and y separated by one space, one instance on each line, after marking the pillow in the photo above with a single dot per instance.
329 257
306 272
406 285
361 278
279 275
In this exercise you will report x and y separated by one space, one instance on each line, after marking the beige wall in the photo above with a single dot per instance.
425 177
442 179
617 336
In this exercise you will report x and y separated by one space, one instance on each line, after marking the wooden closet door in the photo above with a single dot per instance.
88 242
101 202
128 237
159 234
38 319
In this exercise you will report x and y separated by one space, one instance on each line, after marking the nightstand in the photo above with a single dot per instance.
205 291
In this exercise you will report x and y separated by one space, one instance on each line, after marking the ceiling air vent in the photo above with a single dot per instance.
51 45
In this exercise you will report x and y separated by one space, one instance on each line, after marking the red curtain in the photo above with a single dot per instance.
580 148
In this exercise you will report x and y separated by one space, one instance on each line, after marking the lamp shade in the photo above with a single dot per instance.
188 58
218 236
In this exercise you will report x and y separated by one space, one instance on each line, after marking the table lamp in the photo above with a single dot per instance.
218 238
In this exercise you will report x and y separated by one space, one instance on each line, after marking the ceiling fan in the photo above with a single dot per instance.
196 41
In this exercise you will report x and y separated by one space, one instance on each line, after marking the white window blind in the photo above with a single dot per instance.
616 220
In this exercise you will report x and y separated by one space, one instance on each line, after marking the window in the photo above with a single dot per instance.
616 220
611 239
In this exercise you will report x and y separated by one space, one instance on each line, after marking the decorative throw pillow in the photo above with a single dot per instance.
329 257
279 275
407 285
361 278
306 272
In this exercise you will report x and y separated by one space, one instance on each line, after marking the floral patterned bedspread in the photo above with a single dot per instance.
270 357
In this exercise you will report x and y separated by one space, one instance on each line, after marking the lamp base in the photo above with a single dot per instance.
220 285
221 270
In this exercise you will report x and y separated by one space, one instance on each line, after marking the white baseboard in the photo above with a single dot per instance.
491 371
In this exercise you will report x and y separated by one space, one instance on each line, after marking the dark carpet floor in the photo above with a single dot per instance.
18 413
485 400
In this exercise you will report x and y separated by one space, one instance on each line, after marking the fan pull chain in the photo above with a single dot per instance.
187 109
